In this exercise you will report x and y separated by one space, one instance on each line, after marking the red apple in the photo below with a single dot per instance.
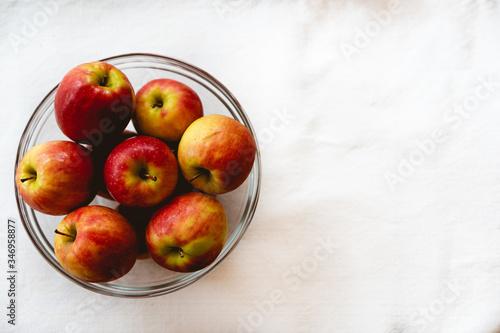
56 177
165 108
216 154
141 171
95 244
187 234
94 100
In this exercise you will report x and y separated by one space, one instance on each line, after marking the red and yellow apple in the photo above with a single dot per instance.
56 177
94 100
165 108
95 244
187 234
141 171
216 154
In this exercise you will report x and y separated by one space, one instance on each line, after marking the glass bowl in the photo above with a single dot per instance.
146 277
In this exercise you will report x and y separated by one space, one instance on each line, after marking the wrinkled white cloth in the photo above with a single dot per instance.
379 127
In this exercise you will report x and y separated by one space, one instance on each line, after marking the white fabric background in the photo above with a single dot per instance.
337 112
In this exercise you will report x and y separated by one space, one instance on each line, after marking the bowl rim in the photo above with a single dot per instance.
242 226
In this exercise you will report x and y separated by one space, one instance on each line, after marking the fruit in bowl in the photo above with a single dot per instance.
145 278
216 154
187 234
95 244
56 177
141 171
165 108
93 101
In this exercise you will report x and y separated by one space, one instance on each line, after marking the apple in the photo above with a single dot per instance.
187 234
216 154
56 177
165 108
94 100
141 171
139 218
100 154
95 244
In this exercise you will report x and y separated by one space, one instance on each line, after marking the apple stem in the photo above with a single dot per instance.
62 233
180 253
157 105
198 175
153 178
28 178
